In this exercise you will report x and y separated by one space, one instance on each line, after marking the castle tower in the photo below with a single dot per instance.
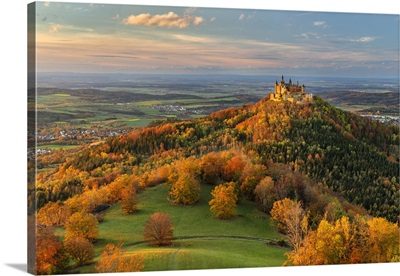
293 92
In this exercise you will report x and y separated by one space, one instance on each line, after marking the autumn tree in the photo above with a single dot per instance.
224 201
333 210
281 213
233 168
114 259
115 188
212 168
50 254
185 191
158 229
250 177
88 201
382 242
80 249
188 166
129 200
343 241
264 194
53 214
292 220
82 225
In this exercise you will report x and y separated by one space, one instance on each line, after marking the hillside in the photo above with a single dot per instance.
337 167
353 156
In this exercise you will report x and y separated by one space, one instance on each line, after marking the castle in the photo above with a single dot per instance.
290 92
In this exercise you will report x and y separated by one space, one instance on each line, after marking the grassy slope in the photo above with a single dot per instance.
189 253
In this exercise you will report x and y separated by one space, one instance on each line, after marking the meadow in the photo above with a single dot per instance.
201 240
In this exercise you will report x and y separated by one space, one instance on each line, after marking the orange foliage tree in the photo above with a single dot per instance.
382 242
233 168
159 229
224 201
80 249
50 254
185 191
53 214
113 259
281 213
343 241
115 188
129 200
212 168
252 175
82 225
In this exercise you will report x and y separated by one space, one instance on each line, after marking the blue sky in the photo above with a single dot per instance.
101 38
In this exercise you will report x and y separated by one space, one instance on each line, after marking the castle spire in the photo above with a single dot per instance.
283 79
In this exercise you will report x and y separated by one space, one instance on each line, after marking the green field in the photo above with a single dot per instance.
201 240
56 146
133 107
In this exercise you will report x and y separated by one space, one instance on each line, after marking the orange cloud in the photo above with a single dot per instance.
169 20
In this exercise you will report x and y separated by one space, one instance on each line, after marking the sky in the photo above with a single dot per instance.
106 38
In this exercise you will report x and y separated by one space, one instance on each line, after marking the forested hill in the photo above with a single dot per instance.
353 156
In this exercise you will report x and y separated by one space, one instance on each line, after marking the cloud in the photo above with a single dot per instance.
241 17
112 56
55 28
320 24
193 39
308 35
364 39
169 20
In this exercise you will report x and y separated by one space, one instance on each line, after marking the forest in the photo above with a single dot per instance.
327 180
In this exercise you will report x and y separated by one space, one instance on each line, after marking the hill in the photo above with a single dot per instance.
353 156
335 164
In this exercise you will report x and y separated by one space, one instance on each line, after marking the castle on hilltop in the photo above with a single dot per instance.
290 92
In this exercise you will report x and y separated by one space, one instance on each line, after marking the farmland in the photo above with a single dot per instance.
69 111
85 114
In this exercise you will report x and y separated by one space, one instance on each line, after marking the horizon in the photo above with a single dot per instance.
135 39
214 74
